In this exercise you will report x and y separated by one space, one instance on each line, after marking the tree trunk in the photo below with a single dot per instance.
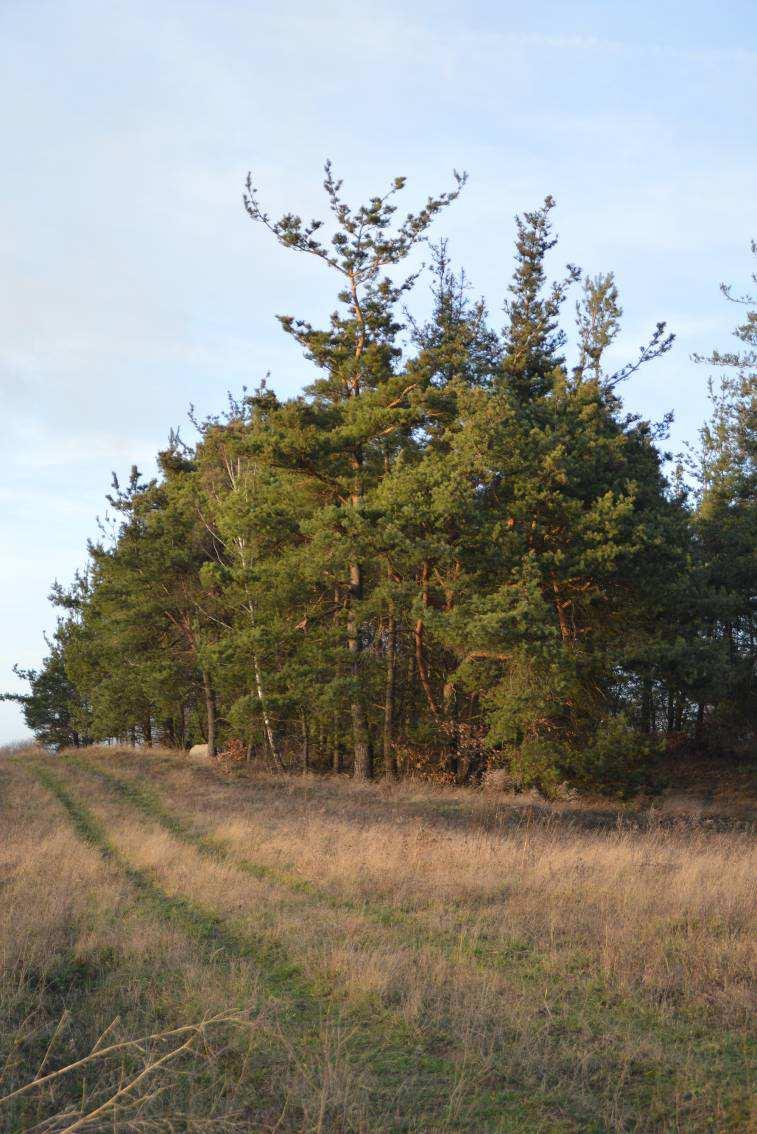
420 661
266 718
561 606
420 658
210 709
390 762
363 764
336 752
147 731
407 694
305 745
363 767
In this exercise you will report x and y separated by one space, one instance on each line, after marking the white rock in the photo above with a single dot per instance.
197 751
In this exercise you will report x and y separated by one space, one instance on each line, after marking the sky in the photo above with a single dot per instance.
133 284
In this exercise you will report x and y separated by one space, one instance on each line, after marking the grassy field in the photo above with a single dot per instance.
303 954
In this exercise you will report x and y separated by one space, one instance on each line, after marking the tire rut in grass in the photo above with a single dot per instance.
387 1046
517 955
584 1003
279 975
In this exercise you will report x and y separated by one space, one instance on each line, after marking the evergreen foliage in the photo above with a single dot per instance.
52 706
454 550
725 527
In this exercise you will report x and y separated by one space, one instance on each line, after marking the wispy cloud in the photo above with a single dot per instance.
632 48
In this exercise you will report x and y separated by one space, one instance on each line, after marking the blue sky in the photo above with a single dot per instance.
133 284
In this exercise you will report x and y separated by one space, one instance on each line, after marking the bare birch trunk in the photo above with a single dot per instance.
390 761
264 710
210 709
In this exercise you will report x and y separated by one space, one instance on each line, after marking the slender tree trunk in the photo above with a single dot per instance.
407 695
699 725
261 696
420 656
561 606
420 661
671 713
390 761
210 709
363 763
336 751
147 731
266 718
305 745
363 767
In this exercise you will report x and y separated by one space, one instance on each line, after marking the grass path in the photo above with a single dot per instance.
445 1095
585 1004
148 800
280 976
513 1038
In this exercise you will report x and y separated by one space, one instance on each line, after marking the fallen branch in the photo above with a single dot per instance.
195 1029
86 1118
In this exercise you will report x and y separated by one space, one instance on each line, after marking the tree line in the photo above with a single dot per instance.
455 550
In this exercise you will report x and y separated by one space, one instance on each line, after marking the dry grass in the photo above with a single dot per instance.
396 958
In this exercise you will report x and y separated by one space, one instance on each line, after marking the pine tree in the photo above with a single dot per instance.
725 470
454 547
572 510
363 399
52 708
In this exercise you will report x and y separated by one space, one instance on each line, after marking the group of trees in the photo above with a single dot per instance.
454 550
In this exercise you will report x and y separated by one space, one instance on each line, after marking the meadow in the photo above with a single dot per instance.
184 950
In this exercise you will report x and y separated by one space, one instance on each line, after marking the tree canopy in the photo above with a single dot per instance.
454 550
